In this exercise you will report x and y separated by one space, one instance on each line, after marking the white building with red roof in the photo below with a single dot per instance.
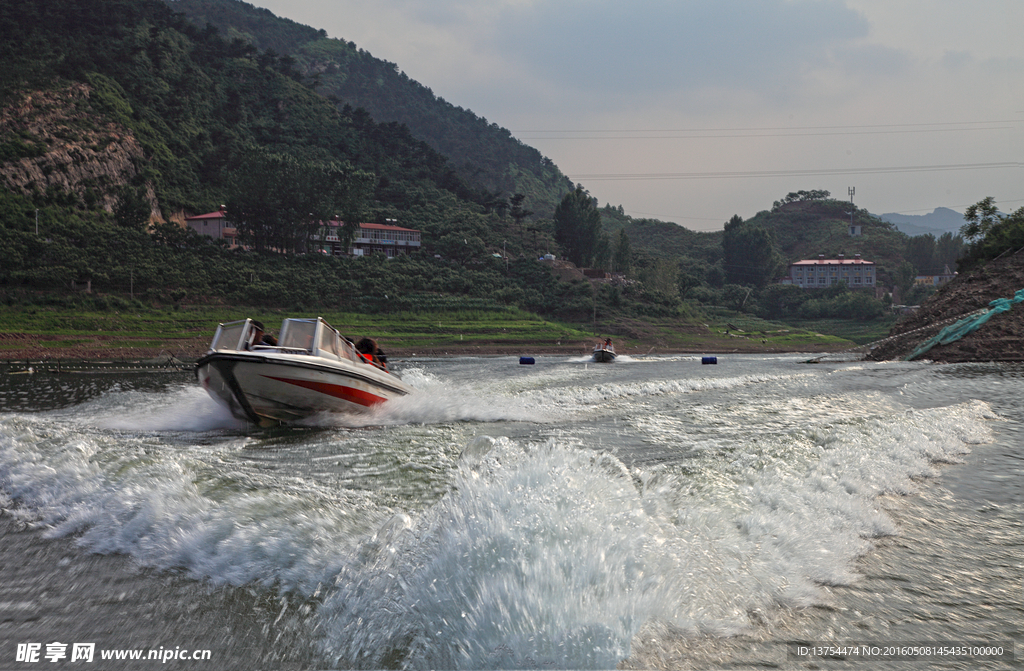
214 225
821 272
388 239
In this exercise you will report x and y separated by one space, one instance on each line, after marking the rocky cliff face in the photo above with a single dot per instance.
1000 339
53 140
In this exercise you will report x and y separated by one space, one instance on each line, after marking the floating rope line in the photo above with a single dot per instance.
62 366
876 343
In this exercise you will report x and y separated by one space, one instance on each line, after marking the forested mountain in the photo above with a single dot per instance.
119 116
481 153
81 76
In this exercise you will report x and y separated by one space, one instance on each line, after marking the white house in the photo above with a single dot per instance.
214 225
821 272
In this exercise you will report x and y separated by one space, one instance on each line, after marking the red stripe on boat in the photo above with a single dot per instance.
357 396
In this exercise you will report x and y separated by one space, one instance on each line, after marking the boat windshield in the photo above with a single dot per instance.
229 336
297 334
332 344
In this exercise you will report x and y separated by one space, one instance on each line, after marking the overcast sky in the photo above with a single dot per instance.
695 110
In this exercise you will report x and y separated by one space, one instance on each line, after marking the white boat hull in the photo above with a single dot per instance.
272 388
312 369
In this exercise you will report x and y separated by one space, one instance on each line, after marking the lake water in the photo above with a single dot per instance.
650 513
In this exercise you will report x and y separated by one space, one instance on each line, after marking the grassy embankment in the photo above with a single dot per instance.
859 332
30 332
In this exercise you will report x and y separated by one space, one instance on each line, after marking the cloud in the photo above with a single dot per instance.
1007 68
618 48
748 85
956 59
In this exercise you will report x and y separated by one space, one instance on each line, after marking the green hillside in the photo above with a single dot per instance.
118 117
191 101
807 229
481 153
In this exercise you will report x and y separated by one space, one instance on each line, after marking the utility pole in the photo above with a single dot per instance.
853 209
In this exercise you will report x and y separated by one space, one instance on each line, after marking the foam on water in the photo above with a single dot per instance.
187 408
528 551
541 397
534 556
566 388
172 508
598 392
555 555
435 401
589 358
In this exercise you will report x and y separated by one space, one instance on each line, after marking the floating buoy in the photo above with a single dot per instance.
524 360
709 359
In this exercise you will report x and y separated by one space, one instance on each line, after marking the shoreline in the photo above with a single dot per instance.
191 354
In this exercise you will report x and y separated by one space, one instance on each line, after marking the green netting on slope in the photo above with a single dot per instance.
966 325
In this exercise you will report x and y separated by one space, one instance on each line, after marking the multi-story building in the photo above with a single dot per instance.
388 239
821 272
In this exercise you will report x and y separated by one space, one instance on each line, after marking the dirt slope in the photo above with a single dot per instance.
1000 339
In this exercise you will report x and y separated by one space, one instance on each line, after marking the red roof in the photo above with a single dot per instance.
842 262
379 227
209 215
334 222
387 227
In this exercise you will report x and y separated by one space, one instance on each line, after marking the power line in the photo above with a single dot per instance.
763 128
756 135
746 174
769 131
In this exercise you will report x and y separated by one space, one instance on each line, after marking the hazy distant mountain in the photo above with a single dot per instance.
940 221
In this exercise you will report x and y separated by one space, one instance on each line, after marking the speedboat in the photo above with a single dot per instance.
604 353
311 369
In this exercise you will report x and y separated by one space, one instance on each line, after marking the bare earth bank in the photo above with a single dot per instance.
1000 339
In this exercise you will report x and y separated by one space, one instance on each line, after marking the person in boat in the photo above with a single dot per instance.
259 337
371 352
607 343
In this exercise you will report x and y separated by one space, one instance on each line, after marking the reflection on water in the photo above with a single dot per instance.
42 391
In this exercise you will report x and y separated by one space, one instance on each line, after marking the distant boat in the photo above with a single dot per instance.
311 369
604 352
